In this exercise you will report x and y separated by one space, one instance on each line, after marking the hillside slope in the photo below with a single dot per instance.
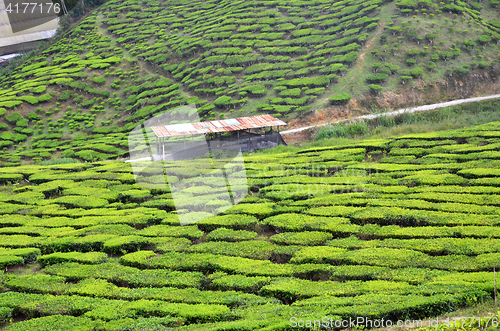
131 60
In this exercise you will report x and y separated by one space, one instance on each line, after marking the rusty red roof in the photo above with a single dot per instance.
232 124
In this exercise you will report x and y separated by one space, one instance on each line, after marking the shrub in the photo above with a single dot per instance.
10 104
134 195
81 202
463 71
417 72
240 283
222 101
484 39
338 130
5 314
39 89
227 221
375 88
128 275
405 79
124 244
10 260
64 95
411 62
340 99
223 234
34 116
376 78
255 249
357 129
84 258
44 98
88 103
23 123
38 283
259 210
292 92
29 99
302 238
99 80
14 117
256 89
300 222
189 231
28 254
320 254
62 321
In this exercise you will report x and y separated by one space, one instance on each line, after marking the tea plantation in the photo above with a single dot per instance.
130 60
393 228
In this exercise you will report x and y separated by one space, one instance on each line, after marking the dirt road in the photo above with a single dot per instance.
406 110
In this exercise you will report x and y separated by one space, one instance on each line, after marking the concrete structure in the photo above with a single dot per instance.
26 39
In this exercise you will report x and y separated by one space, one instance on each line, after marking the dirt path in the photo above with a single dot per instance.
360 63
400 111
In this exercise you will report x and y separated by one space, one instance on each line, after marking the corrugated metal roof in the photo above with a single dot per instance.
232 124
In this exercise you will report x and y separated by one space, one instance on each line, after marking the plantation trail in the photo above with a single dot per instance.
360 63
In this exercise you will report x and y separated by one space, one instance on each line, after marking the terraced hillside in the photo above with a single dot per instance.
131 60
397 228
